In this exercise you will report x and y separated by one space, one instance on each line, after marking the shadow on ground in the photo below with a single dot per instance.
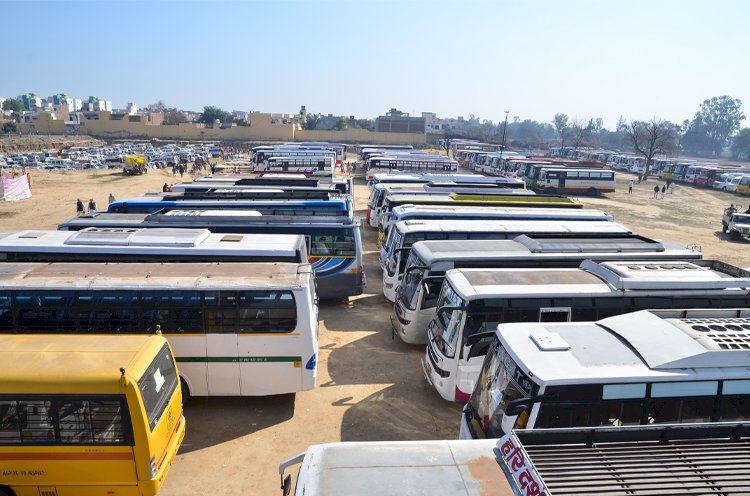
215 420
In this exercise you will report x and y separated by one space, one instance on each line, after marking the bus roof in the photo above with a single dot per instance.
381 468
152 276
520 226
485 199
224 202
640 346
203 219
172 241
73 364
425 211
524 246
601 278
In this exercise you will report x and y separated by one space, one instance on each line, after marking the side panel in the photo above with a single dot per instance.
190 354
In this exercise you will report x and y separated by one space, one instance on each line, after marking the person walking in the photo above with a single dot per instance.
630 187
663 191
656 191
165 188
92 206
79 208
111 198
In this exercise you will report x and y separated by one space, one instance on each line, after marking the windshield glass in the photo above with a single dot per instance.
157 385
741 218
393 255
500 382
445 327
412 282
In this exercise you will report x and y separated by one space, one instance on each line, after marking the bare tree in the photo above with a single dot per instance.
651 138
562 128
581 131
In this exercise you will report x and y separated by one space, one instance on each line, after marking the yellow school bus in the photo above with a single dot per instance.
87 415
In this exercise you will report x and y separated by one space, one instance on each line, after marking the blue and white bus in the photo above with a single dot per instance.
153 203
334 244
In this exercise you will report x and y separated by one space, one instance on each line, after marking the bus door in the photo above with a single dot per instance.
554 314
221 343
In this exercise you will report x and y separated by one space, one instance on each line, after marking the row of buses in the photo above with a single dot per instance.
556 320
108 324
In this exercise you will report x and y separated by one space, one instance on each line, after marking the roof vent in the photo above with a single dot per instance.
31 234
549 341
727 334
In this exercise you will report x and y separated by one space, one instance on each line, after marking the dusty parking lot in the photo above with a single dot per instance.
370 387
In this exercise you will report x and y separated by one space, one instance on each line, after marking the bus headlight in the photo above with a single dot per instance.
152 467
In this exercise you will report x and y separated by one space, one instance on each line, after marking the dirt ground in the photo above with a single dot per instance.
370 387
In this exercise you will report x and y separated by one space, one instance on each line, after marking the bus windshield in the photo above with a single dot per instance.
444 328
500 382
157 385
412 280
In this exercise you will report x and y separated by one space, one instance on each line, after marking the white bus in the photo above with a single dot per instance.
474 301
448 212
379 192
150 245
647 367
237 329
428 262
437 164
590 182
687 459
308 164
261 156
404 234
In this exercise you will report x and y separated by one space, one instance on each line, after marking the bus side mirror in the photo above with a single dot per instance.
415 267
477 337
286 486
447 308
399 250
516 407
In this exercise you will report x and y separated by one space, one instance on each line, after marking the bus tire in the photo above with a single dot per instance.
185 392
6 491
734 235
591 192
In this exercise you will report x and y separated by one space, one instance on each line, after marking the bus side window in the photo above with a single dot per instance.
9 424
681 409
621 412
35 421
6 314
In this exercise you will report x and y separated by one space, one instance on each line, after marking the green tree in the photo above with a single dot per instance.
173 117
10 127
652 138
14 105
157 107
741 145
368 124
562 128
714 124
312 121
211 114
341 124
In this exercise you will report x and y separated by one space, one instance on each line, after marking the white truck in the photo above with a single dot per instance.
736 223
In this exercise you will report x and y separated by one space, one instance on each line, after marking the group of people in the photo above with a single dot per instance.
92 208
658 192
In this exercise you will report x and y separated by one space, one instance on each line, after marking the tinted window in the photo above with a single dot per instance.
157 385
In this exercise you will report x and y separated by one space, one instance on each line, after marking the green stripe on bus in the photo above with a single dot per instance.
240 359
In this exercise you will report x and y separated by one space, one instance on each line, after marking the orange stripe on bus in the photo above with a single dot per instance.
65 456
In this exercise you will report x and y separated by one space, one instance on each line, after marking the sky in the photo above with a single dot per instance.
588 58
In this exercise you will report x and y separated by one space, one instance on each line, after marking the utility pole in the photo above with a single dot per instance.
505 126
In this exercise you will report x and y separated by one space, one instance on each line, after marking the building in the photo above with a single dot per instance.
96 104
31 101
131 108
74 104
395 121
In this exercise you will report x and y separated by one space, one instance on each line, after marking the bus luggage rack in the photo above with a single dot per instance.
664 460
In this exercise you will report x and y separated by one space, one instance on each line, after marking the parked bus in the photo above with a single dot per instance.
334 244
308 165
403 235
398 177
87 414
261 156
474 301
687 459
245 329
387 164
380 192
576 181
151 204
267 180
648 367
149 245
428 262
444 212
518 198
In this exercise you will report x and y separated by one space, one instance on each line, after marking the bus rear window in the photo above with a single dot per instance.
157 385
